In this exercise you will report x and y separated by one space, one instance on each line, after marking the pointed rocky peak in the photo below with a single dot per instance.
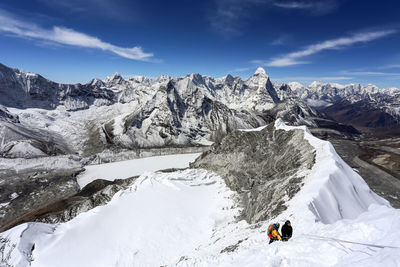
115 78
261 83
315 84
229 78
196 78
97 82
260 71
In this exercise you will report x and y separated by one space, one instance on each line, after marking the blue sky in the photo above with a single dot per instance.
346 41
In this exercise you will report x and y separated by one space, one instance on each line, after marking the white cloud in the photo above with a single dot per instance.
241 69
370 73
280 41
115 9
66 36
393 66
315 7
312 78
293 5
296 58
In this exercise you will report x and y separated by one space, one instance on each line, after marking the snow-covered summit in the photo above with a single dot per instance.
116 77
295 85
260 70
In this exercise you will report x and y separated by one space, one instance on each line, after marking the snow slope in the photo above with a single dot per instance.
155 222
129 168
335 202
187 218
332 190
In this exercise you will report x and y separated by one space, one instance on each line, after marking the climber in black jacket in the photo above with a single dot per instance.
286 231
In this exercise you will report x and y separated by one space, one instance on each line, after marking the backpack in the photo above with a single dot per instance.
270 229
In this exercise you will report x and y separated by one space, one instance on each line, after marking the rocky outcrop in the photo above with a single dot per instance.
266 167
295 112
6 115
47 191
24 191
97 193
19 141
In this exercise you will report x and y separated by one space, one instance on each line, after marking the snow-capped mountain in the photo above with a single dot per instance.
319 94
137 112
140 112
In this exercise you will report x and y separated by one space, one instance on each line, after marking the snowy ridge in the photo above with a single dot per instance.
332 190
333 203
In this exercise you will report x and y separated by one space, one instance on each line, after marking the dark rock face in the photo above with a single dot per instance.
27 191
262 166
52 196
97 193
6 115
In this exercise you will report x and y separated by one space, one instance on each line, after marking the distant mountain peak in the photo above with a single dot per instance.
116 77
260 70
229 78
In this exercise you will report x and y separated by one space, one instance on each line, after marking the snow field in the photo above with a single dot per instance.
155 222
129 168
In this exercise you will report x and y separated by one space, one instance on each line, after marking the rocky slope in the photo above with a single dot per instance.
266 167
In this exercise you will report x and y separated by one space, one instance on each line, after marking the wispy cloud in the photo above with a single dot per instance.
115 9
228 17
65 36
370 73
241 69
280 40
293 5
316 7
296 58
392 66
306 79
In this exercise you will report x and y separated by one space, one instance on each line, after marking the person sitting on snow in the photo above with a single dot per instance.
273 232
287 231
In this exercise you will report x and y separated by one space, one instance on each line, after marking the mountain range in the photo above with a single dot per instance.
41 117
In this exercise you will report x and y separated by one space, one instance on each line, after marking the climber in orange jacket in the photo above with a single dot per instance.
273 232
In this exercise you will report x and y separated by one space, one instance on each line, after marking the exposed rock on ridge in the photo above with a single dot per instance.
266 167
